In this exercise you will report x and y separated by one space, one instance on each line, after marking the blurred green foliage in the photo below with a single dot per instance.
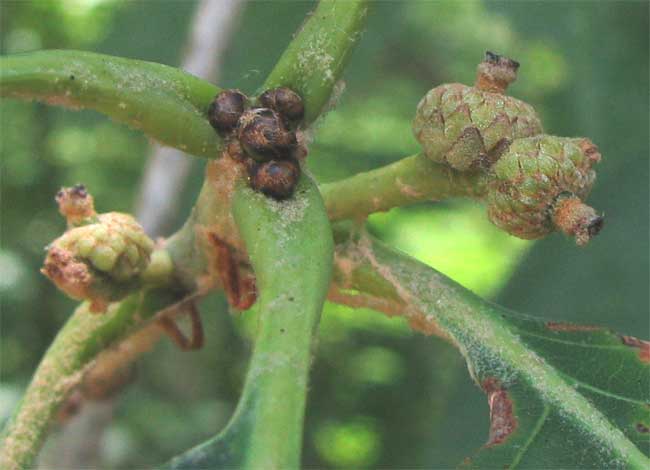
380 395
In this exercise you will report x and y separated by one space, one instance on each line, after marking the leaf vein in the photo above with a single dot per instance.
538 427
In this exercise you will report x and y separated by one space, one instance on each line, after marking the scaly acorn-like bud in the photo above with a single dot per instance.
101 261
264 136
539 185
470 127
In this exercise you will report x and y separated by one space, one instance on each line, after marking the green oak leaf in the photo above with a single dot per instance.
610 371
560 395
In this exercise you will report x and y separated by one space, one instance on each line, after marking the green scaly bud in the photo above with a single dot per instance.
467 127
538 186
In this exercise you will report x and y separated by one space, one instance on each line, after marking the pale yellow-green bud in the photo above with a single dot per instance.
100 261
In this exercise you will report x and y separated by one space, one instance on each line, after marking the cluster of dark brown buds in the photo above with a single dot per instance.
263 137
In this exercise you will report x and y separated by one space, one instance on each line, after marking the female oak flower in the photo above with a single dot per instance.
100 261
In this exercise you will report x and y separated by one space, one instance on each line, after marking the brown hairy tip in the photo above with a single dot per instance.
75 203
68 274
495 73
576 219
590 150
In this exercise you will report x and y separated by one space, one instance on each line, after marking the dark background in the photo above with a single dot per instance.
380 394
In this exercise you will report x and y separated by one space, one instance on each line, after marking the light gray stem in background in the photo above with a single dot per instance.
167 169
80 443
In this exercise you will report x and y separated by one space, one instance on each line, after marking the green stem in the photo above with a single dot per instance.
407 181
164 102
290 248
160 270
78 343
316 57
170 105
479 329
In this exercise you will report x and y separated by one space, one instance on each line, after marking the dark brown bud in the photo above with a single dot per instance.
264 136
276 179
495 73
285 101
226 109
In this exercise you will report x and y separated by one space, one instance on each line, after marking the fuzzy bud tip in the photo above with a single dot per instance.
68 274
495 73
76 205
577 219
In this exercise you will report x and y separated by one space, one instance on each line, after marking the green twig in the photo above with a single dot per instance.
316 57
169 105
290 247
164 102
407 181
75 347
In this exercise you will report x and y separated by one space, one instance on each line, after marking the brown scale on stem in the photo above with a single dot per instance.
195 341
503 421
276 178
239 288
264 136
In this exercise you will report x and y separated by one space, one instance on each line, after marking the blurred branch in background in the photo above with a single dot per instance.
167 169
166 173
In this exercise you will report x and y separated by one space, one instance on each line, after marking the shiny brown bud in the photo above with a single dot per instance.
285 101
226 109
276 179
264 136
